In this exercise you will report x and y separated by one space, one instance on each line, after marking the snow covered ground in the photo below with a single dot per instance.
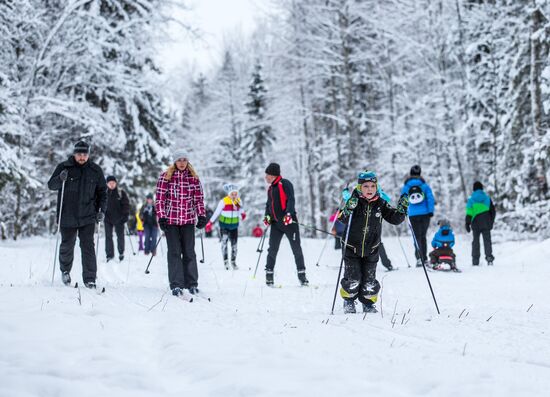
491 339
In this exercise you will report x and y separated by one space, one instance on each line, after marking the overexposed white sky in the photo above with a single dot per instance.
214 19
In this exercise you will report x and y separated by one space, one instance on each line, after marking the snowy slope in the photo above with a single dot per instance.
137 340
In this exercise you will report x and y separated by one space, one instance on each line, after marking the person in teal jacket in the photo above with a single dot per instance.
480 217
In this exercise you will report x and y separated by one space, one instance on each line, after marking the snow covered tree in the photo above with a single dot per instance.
256 143
80 69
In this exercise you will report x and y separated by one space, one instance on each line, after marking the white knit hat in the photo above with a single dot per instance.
179 154
230 187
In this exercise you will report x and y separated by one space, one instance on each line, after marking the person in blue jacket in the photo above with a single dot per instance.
442 243
421 209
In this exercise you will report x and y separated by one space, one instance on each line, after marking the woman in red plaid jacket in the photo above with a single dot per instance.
180 205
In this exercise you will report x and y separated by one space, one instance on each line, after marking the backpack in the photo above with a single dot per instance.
416 195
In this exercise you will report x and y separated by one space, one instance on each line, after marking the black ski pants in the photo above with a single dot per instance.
109 247
182 261
420 225
292 232
229 236
487 245
359 279
87 250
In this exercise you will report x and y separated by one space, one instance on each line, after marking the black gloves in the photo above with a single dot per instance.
63 175
163 223
99 217
201 222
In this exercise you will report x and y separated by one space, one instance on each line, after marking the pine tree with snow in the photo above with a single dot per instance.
256 144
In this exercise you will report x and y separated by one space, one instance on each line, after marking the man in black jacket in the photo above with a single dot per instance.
84 204
364 212
118 210
281 215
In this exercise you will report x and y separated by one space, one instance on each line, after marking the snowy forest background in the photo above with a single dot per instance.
324 87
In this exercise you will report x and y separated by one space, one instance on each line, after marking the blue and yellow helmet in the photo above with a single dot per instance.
367 176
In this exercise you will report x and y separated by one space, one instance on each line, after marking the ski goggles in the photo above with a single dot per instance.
367 176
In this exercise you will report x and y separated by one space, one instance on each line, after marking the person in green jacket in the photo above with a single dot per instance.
480 217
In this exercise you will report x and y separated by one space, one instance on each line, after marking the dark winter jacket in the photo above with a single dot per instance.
118 206
85 192
280 200
366 224
148 215
480 211
421 198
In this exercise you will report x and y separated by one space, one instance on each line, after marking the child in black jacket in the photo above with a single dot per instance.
362 214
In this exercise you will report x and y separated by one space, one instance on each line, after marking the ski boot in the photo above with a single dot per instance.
419 262
177 291
490 260
109 258
193 290
269 278
121 257
349 306
66 278
234 264
369 308
303 279
226 264
90 284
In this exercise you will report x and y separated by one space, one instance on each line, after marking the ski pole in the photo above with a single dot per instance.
152 256
341 263
402 249
331 228
423 265
130 238
260 253
202 249
314 228
261 240
97 242
58 229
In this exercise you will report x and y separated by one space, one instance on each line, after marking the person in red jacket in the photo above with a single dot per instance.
180 205
281 215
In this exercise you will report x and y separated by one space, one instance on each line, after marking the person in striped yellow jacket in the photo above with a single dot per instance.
230 212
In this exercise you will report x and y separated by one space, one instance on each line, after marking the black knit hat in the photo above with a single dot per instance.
478 186
81 147
110 178
149 196
273 169
416 170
